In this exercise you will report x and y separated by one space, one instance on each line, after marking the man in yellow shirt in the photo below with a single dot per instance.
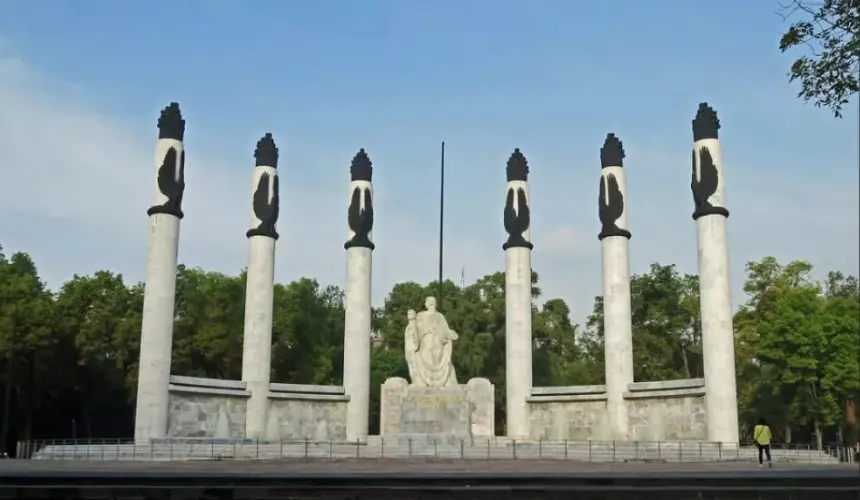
761 435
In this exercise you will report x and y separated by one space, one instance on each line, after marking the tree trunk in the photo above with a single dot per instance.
7 405
686 361
851 421
818 437
30 396
787 433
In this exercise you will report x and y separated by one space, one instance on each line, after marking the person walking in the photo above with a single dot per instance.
762 436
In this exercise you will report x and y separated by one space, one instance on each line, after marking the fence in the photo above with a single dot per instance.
378 447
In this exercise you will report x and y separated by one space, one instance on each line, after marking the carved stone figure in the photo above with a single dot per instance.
704 184
517 216
706 176
360 214
517 219
610 207
431 362
266 202
266 208
171 183
410 341
171 174
611 198
360 219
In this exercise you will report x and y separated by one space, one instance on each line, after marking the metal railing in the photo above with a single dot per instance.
381 447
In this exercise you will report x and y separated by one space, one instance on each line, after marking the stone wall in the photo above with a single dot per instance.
206 408
211 408
574 413
669 410
657 411
314 412
672 410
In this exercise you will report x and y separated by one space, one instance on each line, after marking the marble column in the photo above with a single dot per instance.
156 333
518 297
614 237
356 338
260 286
718 348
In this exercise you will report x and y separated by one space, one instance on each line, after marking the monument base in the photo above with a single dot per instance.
439 415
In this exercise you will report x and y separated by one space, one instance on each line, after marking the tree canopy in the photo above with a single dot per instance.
68 357
827 32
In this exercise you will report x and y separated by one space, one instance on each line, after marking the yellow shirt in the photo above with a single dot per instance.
761 434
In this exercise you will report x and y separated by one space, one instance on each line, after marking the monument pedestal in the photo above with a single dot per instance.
437 415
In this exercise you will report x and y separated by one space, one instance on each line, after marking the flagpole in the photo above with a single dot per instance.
441 220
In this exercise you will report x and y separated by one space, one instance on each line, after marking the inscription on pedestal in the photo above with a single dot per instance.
430 402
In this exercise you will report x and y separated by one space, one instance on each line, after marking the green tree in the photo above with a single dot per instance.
666 326
207 334
558 360
28 344
841 323
828 32
762 387
308 333
68 360
794 342
798 343
101 315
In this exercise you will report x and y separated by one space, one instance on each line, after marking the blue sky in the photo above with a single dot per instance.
83 82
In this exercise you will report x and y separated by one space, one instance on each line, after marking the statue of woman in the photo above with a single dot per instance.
432 360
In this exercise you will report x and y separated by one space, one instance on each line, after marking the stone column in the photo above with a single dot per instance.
156 333
356 338
718 348
518 297
260 286
614 237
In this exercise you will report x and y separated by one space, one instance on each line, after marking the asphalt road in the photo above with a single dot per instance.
415 468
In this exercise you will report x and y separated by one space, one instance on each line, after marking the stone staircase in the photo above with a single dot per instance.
376 447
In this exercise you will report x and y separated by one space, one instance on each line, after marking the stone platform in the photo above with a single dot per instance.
446 415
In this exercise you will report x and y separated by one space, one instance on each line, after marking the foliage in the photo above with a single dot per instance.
829 31
666 332
68 359
799 344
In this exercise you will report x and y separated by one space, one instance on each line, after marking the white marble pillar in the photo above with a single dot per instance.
718 348
156 333
356 338
260 286
518 297
614 236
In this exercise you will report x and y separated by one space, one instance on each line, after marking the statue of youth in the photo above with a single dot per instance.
429 343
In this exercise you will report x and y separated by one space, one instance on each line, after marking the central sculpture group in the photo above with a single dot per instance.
429 344
256 407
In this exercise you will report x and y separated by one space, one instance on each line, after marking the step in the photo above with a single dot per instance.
580 451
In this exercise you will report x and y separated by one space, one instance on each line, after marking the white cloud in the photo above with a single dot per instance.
75 183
